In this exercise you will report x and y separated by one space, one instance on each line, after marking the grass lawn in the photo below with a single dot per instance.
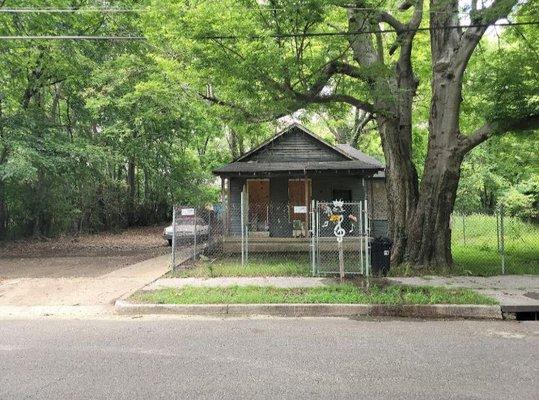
475 246
346 293
259 265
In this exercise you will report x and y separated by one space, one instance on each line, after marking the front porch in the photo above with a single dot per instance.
264 244
279 207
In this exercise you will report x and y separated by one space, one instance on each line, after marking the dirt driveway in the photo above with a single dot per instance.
89 270
81 256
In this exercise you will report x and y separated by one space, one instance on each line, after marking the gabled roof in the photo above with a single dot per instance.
286 130
337 158
359 155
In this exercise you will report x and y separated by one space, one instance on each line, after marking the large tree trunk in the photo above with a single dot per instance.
393 99
429 231
429 242
401 182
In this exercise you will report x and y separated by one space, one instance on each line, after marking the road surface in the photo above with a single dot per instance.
326 358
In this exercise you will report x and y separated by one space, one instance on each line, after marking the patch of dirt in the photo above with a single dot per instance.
80 256
131 241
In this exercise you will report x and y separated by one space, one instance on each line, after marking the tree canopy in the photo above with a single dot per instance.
103 134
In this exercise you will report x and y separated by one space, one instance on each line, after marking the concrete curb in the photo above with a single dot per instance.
470 311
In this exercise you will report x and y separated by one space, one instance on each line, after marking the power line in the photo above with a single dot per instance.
71 37
351 33
257 37
143 10
68 10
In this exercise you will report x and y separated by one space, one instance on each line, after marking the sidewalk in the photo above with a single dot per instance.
276 281
514 292
31 295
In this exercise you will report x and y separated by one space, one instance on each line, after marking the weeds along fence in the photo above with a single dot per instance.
487 244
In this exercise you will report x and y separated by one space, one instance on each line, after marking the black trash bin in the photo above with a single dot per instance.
380 255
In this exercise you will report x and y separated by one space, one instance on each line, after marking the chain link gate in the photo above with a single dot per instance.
340 241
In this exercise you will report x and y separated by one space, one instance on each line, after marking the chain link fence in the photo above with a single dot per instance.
273 238
496 243
265 238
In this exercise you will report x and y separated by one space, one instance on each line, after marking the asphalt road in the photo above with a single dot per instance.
268 359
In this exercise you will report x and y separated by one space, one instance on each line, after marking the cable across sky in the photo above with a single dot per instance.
269 35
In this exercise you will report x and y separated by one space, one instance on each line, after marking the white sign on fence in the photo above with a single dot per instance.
300 209
188 211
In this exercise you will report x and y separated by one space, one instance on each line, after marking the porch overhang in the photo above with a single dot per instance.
269 169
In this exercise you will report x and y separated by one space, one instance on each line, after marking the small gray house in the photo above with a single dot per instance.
280 178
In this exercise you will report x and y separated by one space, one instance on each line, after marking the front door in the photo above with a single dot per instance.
258 195
299 198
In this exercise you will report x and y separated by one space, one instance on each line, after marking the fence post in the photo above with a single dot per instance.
242 227
173 261
361 238
195 238
497 213
502 239
313 227
463 229
367 234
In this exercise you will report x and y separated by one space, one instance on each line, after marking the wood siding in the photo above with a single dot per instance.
295 146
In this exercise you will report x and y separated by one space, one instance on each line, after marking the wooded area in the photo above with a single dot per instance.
103 134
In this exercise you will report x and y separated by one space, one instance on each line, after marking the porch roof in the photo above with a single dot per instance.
268 167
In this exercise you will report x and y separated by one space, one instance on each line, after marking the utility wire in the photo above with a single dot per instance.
71 37
280 35
143 10
343 33
68 10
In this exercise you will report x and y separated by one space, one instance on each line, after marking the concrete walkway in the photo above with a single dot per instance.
509 290
276 281
90 294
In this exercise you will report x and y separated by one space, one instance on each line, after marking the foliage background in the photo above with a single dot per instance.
100 135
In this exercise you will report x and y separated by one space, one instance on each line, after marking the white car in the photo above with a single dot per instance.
186 228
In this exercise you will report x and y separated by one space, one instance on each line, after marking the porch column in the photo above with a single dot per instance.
306 184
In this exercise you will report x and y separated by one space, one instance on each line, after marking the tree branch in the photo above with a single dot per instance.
334 98
391 21
529 122
472 35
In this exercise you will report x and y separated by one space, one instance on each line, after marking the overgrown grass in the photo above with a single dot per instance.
346 293
475 248
259 265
